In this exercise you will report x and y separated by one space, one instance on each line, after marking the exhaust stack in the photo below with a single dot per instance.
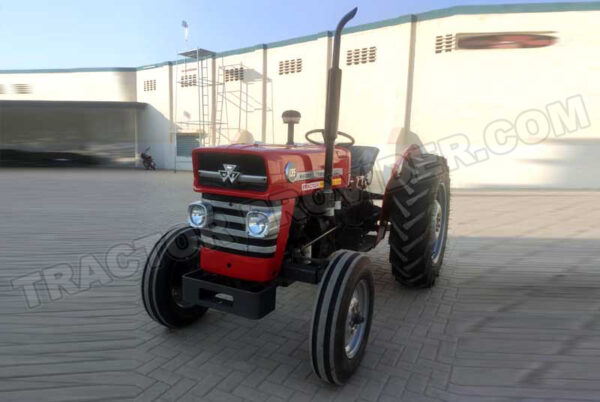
332 109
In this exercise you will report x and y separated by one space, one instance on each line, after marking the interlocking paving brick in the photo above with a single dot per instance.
515 314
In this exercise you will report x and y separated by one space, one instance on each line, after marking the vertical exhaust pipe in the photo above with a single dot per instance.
332 110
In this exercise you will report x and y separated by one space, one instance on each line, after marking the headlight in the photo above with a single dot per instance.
257 224
199 215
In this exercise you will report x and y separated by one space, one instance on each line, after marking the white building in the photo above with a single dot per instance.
508 93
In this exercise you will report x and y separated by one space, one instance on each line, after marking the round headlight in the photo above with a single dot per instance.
257 224
198 215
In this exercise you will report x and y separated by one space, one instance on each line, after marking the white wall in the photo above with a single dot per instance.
117 86
242 100
302 91
465 90
458 92
374 94
154 129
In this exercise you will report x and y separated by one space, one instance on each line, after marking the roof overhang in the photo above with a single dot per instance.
73 104
198 54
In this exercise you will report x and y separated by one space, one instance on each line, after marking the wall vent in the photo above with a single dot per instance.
234 74
22 89
361 56
291 66
444 43
149 85
188 80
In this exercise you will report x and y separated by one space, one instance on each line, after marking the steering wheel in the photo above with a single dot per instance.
322 131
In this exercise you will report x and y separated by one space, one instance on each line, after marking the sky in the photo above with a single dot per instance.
38 34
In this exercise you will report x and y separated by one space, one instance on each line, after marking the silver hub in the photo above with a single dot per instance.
439 223
437 220
356 320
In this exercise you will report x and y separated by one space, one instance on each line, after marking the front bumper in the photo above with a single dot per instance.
243 298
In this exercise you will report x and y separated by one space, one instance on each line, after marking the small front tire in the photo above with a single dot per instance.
174 255
342 317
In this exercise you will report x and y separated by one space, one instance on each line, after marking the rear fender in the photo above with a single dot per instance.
402 173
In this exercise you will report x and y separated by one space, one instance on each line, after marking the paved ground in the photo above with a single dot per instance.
515 315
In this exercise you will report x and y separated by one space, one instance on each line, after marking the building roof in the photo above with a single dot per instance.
197 54
70 104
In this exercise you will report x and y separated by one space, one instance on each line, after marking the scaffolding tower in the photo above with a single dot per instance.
231 101
195 74
222 101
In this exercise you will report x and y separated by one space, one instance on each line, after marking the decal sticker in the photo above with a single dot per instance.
312 186
313 174
320 184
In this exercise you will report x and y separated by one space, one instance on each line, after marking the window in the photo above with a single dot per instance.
188 80
444 43
22 89
361 56
234 74
291 66
149 85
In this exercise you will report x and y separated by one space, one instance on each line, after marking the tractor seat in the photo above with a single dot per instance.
362 159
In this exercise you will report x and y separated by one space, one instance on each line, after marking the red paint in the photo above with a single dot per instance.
251 268
305 157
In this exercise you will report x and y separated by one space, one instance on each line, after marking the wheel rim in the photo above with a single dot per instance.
356 320
439 223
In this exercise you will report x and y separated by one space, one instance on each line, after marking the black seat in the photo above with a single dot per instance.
362 159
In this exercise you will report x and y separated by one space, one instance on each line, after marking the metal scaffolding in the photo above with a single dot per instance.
195 74
223 101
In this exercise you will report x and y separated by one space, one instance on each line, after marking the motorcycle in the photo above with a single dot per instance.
147 160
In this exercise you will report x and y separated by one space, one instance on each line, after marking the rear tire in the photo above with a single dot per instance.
174 255
342 317
419 221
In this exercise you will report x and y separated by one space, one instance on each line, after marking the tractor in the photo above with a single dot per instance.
272 215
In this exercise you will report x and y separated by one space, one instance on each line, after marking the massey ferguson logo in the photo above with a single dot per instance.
229 173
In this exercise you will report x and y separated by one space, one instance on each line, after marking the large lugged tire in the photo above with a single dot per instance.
342 317
419 220
174 255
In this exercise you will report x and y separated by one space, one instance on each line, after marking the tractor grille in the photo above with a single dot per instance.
250 170
228 229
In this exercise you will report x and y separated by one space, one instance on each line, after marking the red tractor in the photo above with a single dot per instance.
271 215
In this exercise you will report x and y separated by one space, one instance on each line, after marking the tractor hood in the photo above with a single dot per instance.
266 171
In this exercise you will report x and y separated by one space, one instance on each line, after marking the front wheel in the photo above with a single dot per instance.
174 255
342 317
